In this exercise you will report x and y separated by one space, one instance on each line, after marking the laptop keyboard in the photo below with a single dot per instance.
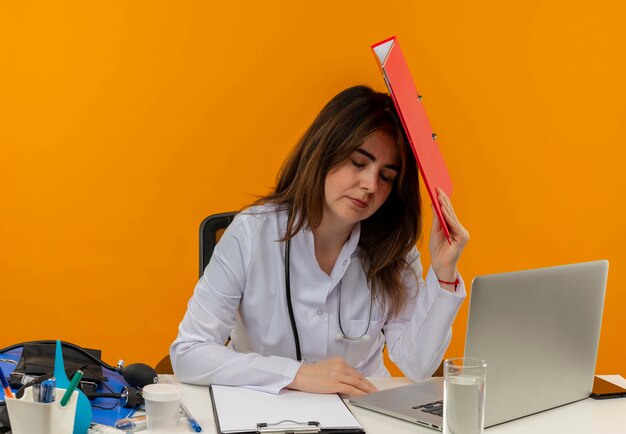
435 407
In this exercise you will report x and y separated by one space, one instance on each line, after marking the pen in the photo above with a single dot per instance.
194 424
137 423
5 385
70 389
47 390
36 392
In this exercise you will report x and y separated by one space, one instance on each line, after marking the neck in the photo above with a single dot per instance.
329 240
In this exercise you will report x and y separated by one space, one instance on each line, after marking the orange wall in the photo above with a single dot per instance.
123 124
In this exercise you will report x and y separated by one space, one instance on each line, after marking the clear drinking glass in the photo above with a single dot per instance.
464 395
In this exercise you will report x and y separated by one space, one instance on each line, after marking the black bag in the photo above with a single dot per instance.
38 359
5 426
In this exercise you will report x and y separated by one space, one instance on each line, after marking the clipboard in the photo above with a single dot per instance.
408 103
242 410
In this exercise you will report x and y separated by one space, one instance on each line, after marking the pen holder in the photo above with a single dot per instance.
30 417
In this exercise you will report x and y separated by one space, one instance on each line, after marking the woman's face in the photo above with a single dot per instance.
360 185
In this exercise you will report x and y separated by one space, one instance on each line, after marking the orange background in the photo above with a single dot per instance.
123 124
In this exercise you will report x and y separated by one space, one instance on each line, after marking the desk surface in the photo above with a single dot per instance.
588 416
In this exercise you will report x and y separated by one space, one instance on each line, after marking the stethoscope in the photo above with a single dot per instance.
364 336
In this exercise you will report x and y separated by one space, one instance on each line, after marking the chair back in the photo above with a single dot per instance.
211 230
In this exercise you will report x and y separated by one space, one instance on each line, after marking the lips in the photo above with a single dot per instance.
358 203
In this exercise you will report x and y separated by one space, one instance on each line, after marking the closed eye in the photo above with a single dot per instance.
388 179
356 164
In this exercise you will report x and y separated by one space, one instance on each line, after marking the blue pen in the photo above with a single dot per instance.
194 424
5 385
128 424
48 388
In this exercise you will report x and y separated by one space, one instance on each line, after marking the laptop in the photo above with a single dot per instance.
538 330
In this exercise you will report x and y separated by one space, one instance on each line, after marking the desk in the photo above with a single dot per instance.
588 416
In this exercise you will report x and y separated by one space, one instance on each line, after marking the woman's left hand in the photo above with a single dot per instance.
444 256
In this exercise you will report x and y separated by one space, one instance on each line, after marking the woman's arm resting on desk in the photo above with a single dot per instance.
206 364
331 376
198 354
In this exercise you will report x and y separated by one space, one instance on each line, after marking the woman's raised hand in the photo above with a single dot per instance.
444 256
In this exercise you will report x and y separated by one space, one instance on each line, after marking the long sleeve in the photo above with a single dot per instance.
242 295
418 338
198 354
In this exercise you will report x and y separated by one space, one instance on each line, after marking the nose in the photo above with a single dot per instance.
369 181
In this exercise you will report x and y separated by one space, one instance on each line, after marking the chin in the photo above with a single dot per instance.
355 216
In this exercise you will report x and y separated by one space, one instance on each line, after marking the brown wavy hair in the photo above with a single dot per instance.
342 126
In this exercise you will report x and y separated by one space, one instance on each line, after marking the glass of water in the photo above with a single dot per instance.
464 395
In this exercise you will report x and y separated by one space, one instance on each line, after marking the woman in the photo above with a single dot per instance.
338 237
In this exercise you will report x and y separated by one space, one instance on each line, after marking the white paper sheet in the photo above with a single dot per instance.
240 409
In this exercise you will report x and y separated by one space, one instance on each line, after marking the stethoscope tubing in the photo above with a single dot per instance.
292 320
294 327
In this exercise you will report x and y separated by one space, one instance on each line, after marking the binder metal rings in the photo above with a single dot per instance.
290 426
